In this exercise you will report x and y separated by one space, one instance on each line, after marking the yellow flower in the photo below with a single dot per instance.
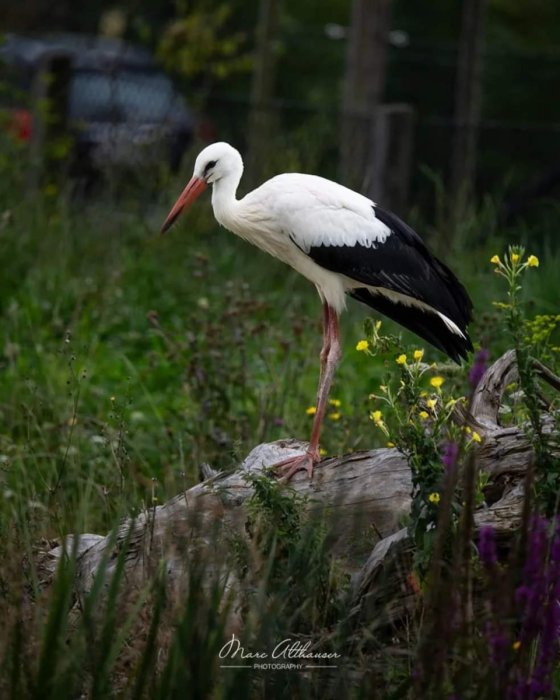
377 418
335 402
514 258
434 498
335 415
475 436
311 411
390 444
362 346
516 645
453 402
401 359
423 415
495 259
431 404
322 451
436 382
532 261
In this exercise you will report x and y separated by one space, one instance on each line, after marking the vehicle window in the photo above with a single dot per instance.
122 96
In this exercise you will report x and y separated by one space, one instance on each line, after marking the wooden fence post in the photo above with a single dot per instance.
364 84
49 100
387 177
467 105
262 90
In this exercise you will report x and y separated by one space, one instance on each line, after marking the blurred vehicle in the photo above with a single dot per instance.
121 108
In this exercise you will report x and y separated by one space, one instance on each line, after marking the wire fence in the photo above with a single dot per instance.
118 113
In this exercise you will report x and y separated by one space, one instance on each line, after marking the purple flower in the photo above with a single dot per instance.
538 601
523 669
498 646
532 590
478 369
449 456
550 630
487 546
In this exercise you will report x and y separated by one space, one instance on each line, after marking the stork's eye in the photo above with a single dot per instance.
209 166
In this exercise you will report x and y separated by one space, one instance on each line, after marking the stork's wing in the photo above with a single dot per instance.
404 281
400 264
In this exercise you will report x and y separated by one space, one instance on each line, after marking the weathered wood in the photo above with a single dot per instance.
384 592
262 92
364 83
489 393
365 492
467 102
362 498
49 100
392 143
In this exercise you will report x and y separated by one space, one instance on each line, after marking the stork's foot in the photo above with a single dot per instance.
288 467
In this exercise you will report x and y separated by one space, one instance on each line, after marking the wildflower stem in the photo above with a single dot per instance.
527 378
464 551
438 590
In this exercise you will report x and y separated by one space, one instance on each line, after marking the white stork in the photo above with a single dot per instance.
346 245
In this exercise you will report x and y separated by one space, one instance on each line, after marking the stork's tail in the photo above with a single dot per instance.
433 326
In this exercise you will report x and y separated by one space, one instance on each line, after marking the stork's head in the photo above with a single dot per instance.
216 162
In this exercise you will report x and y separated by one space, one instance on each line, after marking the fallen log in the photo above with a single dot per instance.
362 497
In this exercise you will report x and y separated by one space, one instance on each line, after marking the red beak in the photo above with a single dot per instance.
194 189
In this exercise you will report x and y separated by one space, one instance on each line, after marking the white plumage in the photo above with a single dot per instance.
344 244
317 211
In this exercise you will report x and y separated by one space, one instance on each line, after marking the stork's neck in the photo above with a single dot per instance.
224 201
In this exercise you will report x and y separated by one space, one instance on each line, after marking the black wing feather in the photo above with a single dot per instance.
404 265
425 324
457 301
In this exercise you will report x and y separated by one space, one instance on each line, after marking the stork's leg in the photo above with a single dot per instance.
326 339
330 357
329 364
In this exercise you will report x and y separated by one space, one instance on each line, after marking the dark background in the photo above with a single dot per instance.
212 50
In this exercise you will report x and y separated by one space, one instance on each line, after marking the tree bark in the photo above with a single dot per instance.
467 103
49 97
262 90
364 84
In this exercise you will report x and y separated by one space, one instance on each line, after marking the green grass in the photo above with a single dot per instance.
130 358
